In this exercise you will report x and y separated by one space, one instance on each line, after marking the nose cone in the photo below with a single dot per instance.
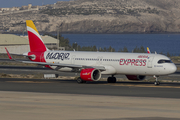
173 68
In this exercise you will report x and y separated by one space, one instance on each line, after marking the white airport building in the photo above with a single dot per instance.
20 44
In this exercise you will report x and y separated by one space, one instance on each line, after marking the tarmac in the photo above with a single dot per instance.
56 106
65 99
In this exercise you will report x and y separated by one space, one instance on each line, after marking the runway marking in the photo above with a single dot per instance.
30 81
116 84
145 86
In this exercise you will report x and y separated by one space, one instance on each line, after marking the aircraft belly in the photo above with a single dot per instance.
110 70
125 70
65 69
134 70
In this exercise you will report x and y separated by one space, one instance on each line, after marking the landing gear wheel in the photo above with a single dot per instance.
111 80
108 80
79 80
156 83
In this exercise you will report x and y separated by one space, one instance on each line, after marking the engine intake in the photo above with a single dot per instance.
90 74
136 77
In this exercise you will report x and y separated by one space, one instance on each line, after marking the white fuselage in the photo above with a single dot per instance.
114 62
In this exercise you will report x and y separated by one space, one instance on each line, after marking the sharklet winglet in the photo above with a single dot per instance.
10 57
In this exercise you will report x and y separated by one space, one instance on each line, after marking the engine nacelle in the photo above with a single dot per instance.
90 74
136 77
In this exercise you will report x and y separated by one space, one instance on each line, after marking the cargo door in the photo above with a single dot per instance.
149 61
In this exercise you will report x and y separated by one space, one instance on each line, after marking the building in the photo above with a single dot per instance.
15 9
29 6
20 44
5 9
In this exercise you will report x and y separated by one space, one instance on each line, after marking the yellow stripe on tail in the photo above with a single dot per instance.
30 24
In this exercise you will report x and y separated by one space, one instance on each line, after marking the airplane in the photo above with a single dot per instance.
91 65
148 51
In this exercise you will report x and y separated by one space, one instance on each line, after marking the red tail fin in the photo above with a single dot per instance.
35 42
148 51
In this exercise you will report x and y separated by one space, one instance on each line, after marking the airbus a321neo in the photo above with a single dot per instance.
91 65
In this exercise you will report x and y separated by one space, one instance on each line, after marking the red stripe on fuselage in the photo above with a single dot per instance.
39 57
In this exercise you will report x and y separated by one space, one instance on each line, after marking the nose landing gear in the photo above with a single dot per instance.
156 82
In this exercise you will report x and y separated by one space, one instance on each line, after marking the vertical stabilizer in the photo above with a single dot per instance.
35 42
148 51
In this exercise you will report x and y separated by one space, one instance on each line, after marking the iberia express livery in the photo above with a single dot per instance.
136 66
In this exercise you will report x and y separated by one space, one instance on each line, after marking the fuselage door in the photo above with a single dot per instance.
149 61
73 59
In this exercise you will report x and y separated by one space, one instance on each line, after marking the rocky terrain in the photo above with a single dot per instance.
100 16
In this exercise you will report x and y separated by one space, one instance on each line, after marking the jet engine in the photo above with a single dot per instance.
90 74
136 77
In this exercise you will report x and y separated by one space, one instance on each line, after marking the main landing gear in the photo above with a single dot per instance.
156 82
79 80
111 79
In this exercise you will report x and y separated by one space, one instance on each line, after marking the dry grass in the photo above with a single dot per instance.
175 59
17 64
36 76
2 55
14 63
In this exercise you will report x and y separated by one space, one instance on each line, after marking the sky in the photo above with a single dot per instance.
19 3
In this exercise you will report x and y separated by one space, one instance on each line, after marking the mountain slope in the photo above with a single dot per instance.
101 16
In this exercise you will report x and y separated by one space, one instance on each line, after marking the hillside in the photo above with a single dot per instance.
100 16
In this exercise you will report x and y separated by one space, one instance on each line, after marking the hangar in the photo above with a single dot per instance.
20 44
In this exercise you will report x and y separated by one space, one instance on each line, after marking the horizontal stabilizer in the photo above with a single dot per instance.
10 57
27 56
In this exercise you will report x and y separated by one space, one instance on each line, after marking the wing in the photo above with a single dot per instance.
102 68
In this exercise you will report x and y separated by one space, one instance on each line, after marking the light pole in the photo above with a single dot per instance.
59 27
58 38
77 47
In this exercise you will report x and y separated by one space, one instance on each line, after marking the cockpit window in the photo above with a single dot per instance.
164 61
